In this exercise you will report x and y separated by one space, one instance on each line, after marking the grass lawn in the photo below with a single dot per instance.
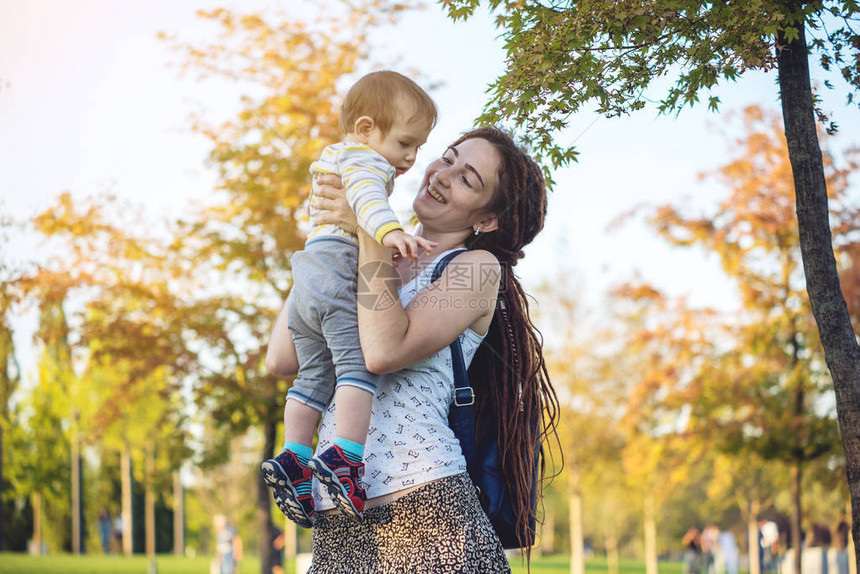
561 563
99 564
24 564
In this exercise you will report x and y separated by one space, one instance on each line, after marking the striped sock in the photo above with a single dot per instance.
353 451
303 452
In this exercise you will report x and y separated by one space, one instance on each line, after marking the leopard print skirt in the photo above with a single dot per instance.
439 527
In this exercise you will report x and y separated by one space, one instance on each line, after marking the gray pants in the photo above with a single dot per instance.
323 321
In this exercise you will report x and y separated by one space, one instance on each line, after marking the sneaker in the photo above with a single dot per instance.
342 479
283 474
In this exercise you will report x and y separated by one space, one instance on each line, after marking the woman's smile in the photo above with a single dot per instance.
435 195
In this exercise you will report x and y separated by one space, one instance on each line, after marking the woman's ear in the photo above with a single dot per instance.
363 127
487 223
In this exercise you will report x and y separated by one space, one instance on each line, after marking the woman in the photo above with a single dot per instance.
423 514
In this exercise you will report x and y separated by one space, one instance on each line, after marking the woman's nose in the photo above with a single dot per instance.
443 176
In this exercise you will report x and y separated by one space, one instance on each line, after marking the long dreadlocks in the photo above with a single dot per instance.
508 372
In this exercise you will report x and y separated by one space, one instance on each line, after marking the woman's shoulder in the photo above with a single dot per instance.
476 256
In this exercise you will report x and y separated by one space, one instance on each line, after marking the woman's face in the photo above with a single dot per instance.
458 186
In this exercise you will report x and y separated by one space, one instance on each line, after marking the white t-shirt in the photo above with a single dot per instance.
409 441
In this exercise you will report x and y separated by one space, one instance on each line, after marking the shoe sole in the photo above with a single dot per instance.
284 493
339 494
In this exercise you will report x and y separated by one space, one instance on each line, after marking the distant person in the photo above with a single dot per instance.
843 531
117 532
710 535
821 535
769 541
729 552
105 527
692 542
228 546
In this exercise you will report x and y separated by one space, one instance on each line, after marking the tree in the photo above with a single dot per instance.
590 390
663 344
10 372
47 410
127 345
745 479
775 364
22 480
565 54
10 375
242 244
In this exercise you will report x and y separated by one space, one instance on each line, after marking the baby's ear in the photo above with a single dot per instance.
363 127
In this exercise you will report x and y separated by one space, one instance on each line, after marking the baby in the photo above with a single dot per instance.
386 117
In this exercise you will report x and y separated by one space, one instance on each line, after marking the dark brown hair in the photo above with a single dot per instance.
508 373
382 96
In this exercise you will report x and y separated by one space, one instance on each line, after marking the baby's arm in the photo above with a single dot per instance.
281 359
407 245
365 176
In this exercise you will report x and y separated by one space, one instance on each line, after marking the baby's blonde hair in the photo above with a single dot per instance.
383 95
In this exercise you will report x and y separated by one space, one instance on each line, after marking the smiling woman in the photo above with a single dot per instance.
486 197
454 192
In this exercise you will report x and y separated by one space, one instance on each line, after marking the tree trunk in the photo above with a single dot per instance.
36 502
178 515
796 513
797 470
2 422
650 535
149 502
547 531
125 469
850 549
7 384
612 550
291 540
753 546
264 503
577 548
77 506
841 351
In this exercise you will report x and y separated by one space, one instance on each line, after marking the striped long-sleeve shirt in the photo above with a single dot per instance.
368 179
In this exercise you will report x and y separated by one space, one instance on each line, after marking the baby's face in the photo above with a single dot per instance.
400 145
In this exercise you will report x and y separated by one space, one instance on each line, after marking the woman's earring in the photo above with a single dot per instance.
477 231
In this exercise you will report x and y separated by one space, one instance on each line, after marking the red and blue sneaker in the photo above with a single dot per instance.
290 482
342 479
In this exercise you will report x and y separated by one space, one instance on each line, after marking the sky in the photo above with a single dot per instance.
91 101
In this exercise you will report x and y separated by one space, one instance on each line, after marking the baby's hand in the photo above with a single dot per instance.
407 245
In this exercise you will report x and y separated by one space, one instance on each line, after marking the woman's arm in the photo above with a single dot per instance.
281 359
393 337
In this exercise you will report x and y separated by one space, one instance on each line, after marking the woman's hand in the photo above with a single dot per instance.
330 201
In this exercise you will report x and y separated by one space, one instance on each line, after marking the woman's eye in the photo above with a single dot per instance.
467 182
